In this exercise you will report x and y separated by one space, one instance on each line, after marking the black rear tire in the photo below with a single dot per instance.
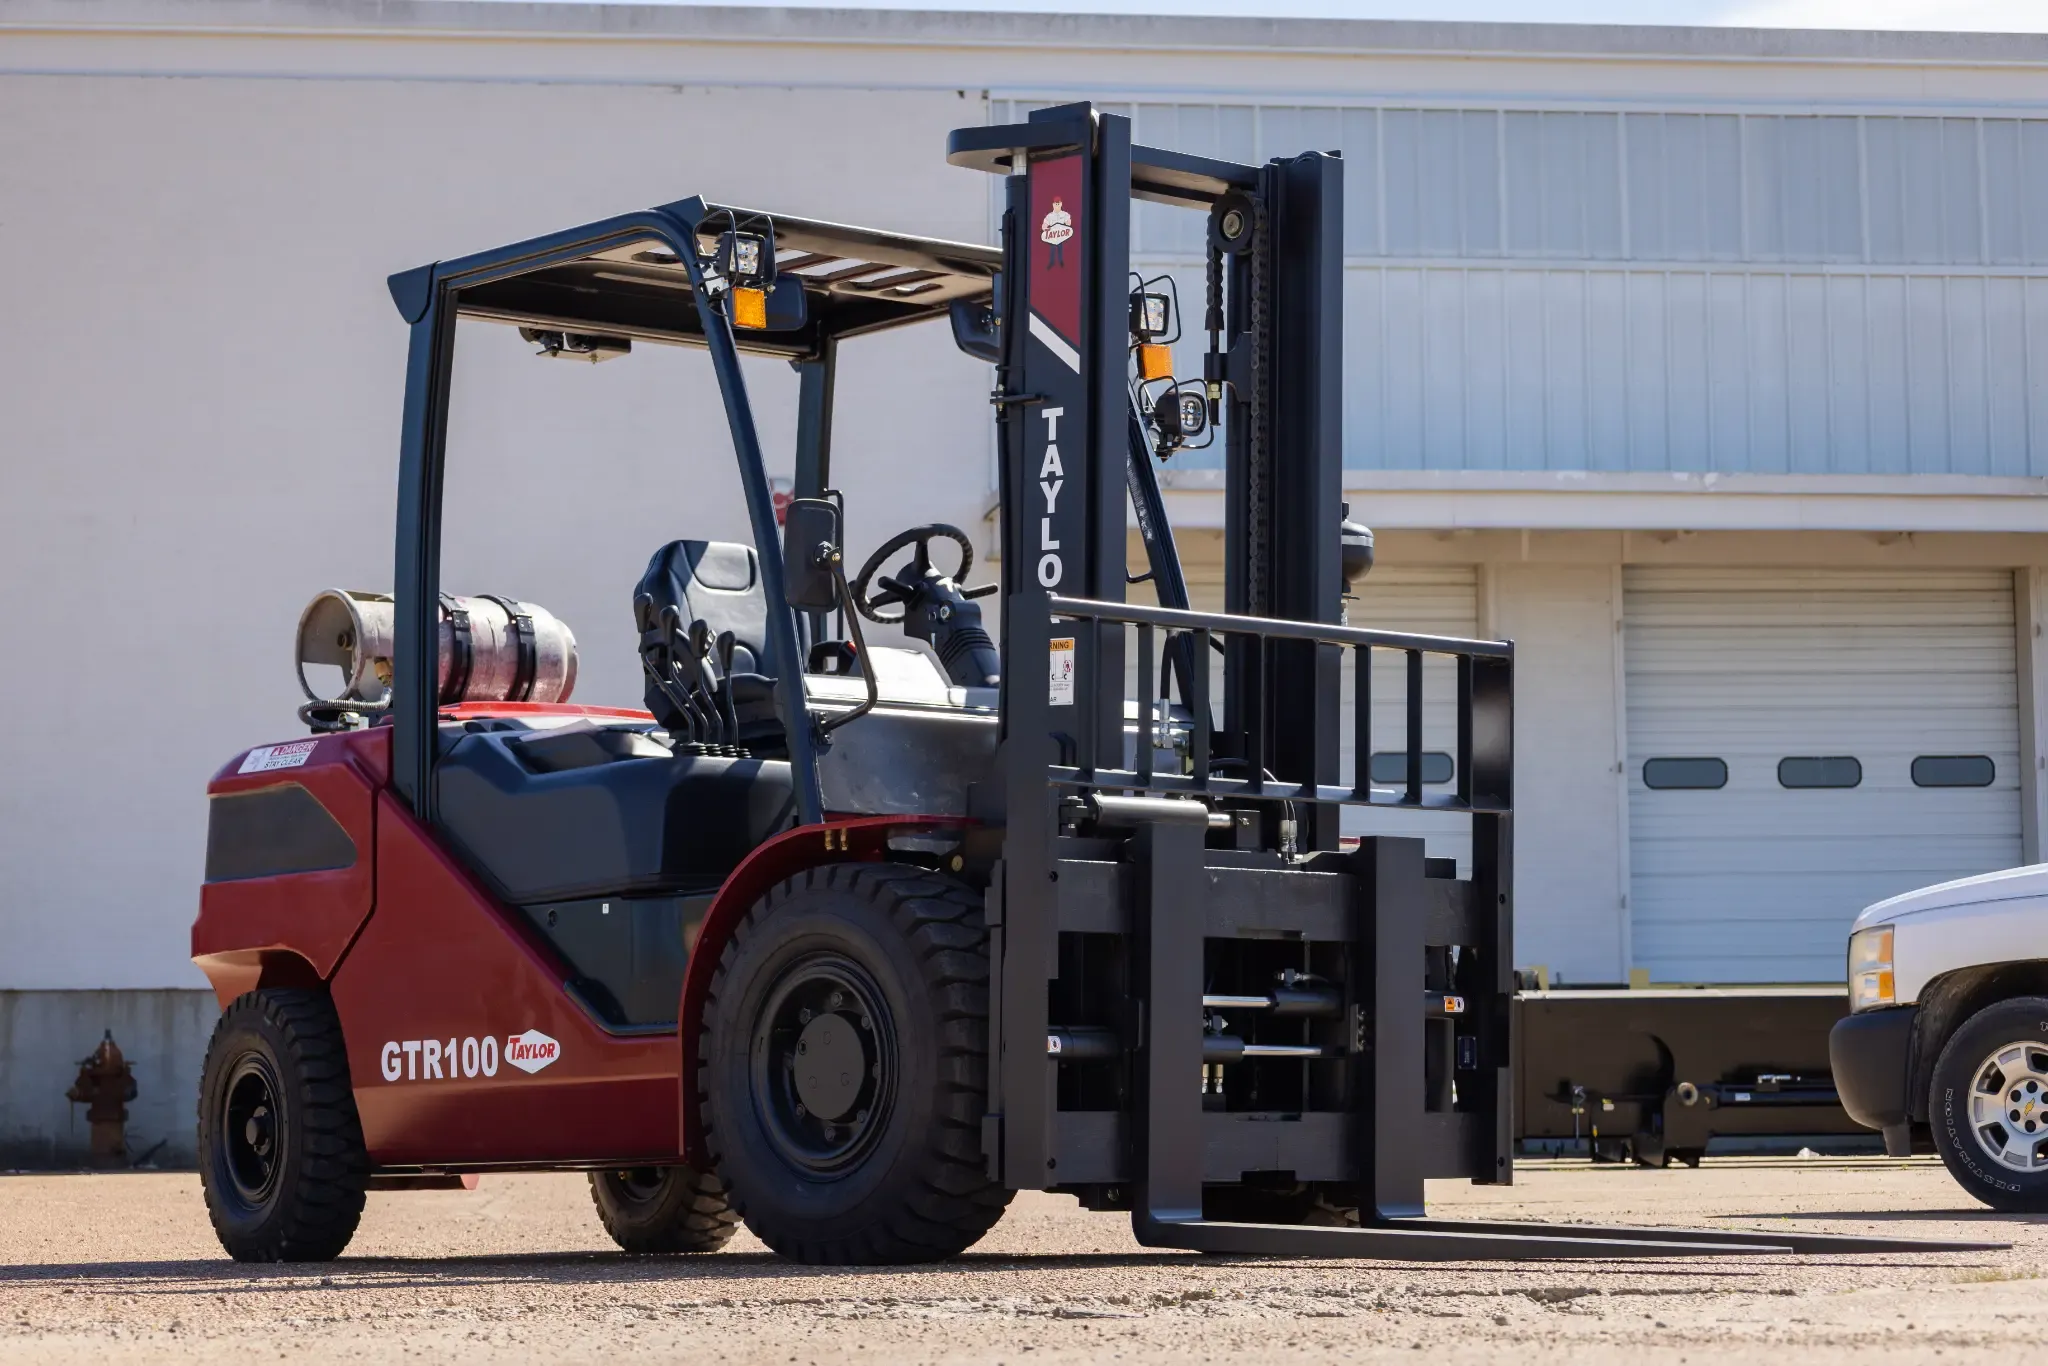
663 1210
1990 1088
843 1067
281 1155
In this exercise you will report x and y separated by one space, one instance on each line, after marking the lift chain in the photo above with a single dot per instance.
1259 414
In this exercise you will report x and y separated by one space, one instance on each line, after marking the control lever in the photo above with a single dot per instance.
725 645
660 662
684 675
707 678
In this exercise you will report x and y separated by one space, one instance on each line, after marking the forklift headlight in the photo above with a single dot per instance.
1151 316
744 258
1180 415
1871 983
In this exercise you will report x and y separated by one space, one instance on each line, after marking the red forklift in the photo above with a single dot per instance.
848 939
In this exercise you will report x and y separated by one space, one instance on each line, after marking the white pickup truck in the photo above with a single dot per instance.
1948 1030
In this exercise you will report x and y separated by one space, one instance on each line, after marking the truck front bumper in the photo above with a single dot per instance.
1871 1055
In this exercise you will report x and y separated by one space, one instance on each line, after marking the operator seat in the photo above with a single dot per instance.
718 583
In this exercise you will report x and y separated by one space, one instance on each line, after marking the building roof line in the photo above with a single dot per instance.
553 20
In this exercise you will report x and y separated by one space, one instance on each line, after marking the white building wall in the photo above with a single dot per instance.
200 380
1570 846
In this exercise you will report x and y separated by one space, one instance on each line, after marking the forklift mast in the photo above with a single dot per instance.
1373 985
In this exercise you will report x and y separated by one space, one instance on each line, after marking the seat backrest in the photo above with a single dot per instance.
717 582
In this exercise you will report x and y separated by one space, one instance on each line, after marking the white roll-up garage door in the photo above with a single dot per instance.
1439 600
1805 742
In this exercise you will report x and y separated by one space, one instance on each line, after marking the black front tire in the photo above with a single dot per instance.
653 1211
281 1155
1988 1086
843 1067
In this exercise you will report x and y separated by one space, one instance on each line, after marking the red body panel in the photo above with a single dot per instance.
443 993
297 926
857 839
442 961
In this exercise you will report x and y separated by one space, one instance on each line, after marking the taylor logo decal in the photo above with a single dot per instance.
531 1051
1054 230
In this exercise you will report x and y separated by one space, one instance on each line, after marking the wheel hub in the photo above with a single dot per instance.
2009 1107
824 1063
831 1065
250 1128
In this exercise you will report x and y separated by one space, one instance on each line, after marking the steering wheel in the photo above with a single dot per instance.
900 588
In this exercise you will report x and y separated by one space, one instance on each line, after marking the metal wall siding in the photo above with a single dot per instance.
1534 289
1735 371
1643 186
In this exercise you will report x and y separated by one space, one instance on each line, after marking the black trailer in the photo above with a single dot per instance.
1656 1074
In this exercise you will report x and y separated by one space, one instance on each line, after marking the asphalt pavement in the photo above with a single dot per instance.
123 1268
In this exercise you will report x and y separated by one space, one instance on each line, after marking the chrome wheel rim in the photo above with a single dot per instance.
2009 1107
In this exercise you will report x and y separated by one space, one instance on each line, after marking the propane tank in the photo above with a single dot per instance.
492 649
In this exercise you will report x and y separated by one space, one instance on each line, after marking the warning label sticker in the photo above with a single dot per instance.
1060 692
267 757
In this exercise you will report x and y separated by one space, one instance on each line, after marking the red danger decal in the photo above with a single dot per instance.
1054 236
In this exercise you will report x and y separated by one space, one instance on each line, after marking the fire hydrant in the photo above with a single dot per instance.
105 1085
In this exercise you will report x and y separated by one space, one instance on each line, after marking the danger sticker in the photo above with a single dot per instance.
1060 686
264 758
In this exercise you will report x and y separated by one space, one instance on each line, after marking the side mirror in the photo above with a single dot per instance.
976 328
788 306
810 555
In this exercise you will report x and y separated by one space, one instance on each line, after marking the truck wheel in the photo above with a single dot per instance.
663 1209
281 1155
1989 1105
843 1067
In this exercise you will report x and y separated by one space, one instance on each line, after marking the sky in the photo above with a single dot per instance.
2009 16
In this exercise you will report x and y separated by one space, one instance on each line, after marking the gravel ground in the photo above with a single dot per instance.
120 1268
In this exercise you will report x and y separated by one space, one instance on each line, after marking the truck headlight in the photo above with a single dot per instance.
1870 969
